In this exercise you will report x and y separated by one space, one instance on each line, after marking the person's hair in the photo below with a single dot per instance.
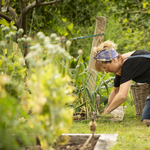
98 63
105 45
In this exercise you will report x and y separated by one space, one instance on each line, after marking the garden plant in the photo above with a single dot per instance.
34 91
44 80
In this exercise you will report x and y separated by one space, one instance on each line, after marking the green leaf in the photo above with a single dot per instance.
12 23
104 100
80 105
144 5
70 27
89 93
82 66
64 19
125 20
3 2
4 22
93 95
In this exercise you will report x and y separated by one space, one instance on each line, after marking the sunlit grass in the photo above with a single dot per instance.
132 133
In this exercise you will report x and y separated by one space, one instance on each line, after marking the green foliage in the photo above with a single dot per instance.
38 83
11 112
127 22
133 18
86 97
4 22
50 91
13 133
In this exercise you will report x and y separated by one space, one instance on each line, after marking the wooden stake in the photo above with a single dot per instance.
97 40
86 142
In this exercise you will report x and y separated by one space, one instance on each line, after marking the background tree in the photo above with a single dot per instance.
20 17
127 21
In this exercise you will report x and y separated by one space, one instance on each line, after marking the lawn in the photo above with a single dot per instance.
132 133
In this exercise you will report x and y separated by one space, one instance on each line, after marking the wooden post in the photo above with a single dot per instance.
99 29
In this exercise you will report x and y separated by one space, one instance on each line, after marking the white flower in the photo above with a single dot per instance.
2 26
41 38
47 40
30 55
29 39
12 34
18 40
20 31
68 43
36 47
6 29
58 39
14 28
7 36
49 47
61 51
25 36
67 56
53 36
40 33
23 40
80 52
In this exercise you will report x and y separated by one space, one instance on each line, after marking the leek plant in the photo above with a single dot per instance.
86 100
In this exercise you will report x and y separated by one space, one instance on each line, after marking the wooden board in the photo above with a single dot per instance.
106 141
97 40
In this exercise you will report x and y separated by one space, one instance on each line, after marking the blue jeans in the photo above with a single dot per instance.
146 110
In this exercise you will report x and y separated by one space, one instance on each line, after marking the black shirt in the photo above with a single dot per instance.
137 69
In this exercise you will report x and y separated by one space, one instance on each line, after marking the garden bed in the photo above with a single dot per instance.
76 141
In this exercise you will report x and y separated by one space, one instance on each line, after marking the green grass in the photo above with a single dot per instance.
132 133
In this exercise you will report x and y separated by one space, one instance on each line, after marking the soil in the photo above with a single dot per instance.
77 144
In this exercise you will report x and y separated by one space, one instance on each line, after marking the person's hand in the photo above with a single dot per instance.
105 112
106 115
106 108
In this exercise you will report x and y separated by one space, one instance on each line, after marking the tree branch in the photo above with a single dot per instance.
6 17
6 3
0 4
39 3
22 5
13 13
48 3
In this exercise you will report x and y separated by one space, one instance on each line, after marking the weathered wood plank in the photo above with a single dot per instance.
106 141
99 29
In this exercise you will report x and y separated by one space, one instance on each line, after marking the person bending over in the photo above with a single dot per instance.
127 67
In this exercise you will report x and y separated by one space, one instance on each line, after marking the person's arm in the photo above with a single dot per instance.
119 98
113 94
